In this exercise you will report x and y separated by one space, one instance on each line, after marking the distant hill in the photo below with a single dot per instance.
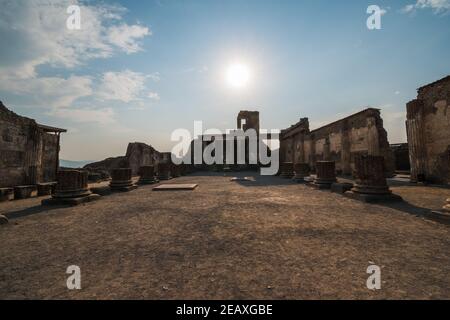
73 164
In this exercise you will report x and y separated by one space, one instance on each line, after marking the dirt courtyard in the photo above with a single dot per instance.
268 239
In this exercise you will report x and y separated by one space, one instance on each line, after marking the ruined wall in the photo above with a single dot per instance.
401 156
340 141
28 155
138 154
428 131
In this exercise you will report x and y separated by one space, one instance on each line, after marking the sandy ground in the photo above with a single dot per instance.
269 239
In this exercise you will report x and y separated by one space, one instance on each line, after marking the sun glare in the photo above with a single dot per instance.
238 75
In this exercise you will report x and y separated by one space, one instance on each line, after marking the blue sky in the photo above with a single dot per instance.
137 70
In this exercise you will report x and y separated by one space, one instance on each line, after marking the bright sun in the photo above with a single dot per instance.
238 75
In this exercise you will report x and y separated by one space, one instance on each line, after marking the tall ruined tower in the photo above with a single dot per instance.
248 120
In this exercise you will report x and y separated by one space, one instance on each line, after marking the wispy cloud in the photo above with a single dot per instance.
437 6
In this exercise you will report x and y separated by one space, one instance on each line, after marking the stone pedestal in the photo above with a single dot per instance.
46 189
175 171
71 189
164 172
370 181
24 192
301 171
6 194
326 174
147 175
121 180
287 170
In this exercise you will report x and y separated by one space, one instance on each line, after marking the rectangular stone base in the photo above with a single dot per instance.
70 202
373 198
341 187
24 192
124 189
46 189
6 194
175 187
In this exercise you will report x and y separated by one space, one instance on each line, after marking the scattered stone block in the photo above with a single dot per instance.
71 189
341 187
3 220
175 187
326 174
121 180
46 189
24 192
6 194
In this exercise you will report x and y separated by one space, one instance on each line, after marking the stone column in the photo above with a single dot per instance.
175 170
301 172
121 180
326 174
287 170
370 181
147 175
72 184
369 175
71 189
164 172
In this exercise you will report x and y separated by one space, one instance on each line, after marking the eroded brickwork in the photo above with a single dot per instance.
341 141
28 151
428 130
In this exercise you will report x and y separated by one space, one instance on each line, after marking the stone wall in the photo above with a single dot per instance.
138 154
401 156
341 141
28 152
428 131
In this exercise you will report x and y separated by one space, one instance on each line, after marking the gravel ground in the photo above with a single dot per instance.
268 239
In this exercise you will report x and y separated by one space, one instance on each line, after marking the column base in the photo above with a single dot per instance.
70 201
373 198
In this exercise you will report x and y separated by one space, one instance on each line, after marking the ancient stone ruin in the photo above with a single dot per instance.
138 154
29 152
340 141
147 175
301 171
164 171
428 131
370 181
287 170
71 189
121 180
326 174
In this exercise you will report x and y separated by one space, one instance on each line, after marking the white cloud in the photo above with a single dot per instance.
124 37
154 96
103 116
438 6
49 91
123 86
36 34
